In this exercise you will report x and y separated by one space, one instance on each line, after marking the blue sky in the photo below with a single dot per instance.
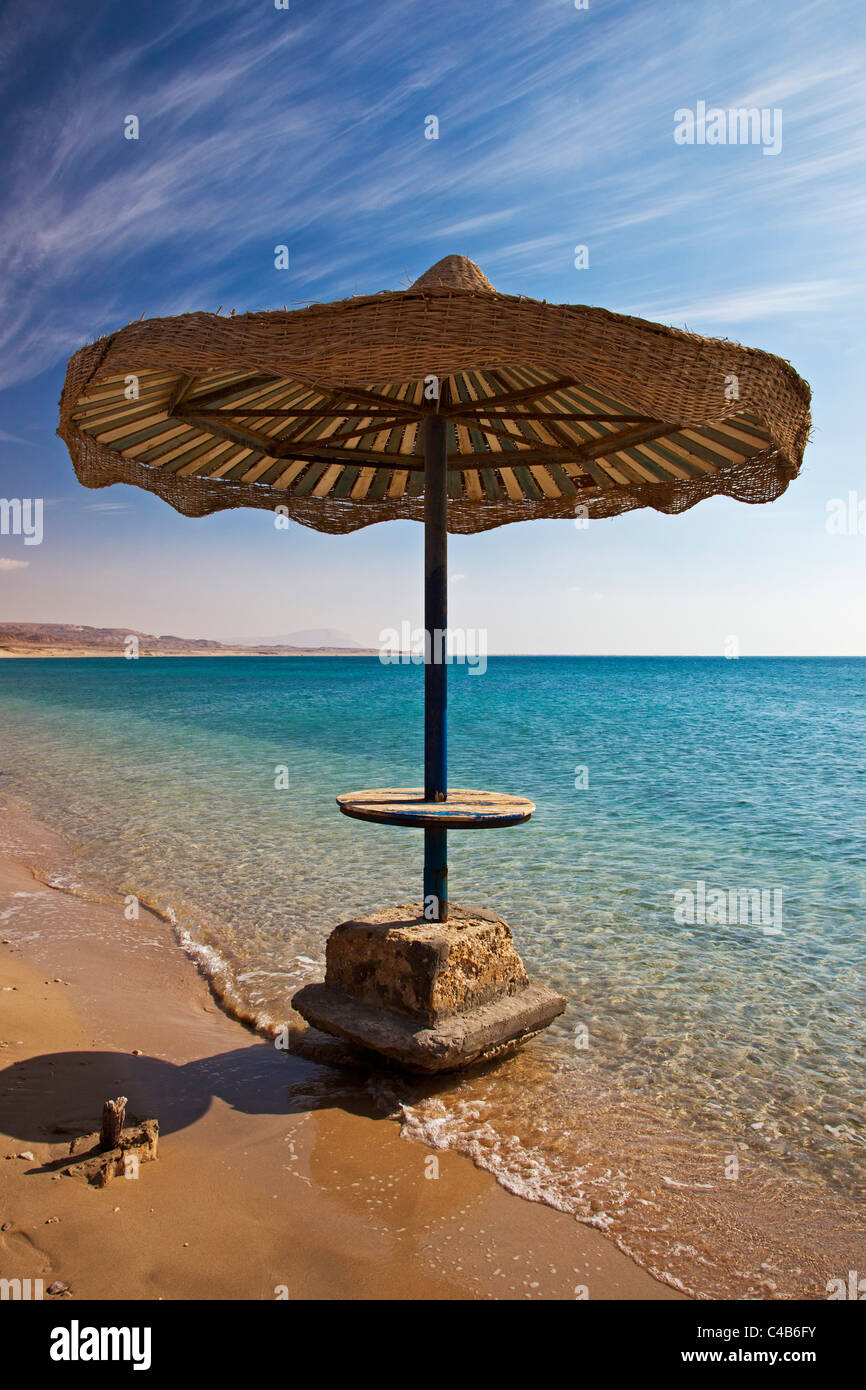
306 127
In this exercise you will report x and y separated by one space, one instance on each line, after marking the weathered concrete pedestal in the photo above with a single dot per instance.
431 996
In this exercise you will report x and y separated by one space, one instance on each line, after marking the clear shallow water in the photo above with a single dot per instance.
704 1041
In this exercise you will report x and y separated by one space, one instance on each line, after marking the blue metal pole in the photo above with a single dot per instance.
436 670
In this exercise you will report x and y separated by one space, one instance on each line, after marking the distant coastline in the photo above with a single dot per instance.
69 639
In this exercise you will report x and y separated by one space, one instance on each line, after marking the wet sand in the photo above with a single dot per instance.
277 1177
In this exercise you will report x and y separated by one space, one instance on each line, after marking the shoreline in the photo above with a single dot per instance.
274 1171
69 654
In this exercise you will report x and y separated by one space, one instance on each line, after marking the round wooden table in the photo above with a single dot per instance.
462 810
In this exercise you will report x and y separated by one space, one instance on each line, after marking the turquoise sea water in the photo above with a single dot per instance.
704 1039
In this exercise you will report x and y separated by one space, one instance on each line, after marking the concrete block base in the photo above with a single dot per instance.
430 996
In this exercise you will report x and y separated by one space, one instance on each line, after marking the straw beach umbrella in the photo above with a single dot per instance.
447 403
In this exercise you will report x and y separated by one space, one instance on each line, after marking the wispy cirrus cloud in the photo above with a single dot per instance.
261 127
749 305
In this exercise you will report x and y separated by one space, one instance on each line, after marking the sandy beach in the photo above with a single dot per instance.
263 1188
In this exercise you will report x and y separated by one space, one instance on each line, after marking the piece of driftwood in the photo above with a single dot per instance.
114 1151
113 1115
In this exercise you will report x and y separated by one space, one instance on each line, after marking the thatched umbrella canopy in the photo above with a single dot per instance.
320 409
448 403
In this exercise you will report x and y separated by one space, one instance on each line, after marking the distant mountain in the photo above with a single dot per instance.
72 639
310 637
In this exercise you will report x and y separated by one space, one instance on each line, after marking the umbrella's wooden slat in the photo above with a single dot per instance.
512 486
492 488
346 481
472 481
327 480
285 478
307 483
543 478
362 483
397 485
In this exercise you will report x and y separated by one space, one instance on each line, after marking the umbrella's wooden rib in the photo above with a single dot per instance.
185 384
295 413
275 401
589 398
362 397
593 449
246 438
330 454
531 393
622 471
576 417
313 432
581 399
567 438
385 426
509 433
326 426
